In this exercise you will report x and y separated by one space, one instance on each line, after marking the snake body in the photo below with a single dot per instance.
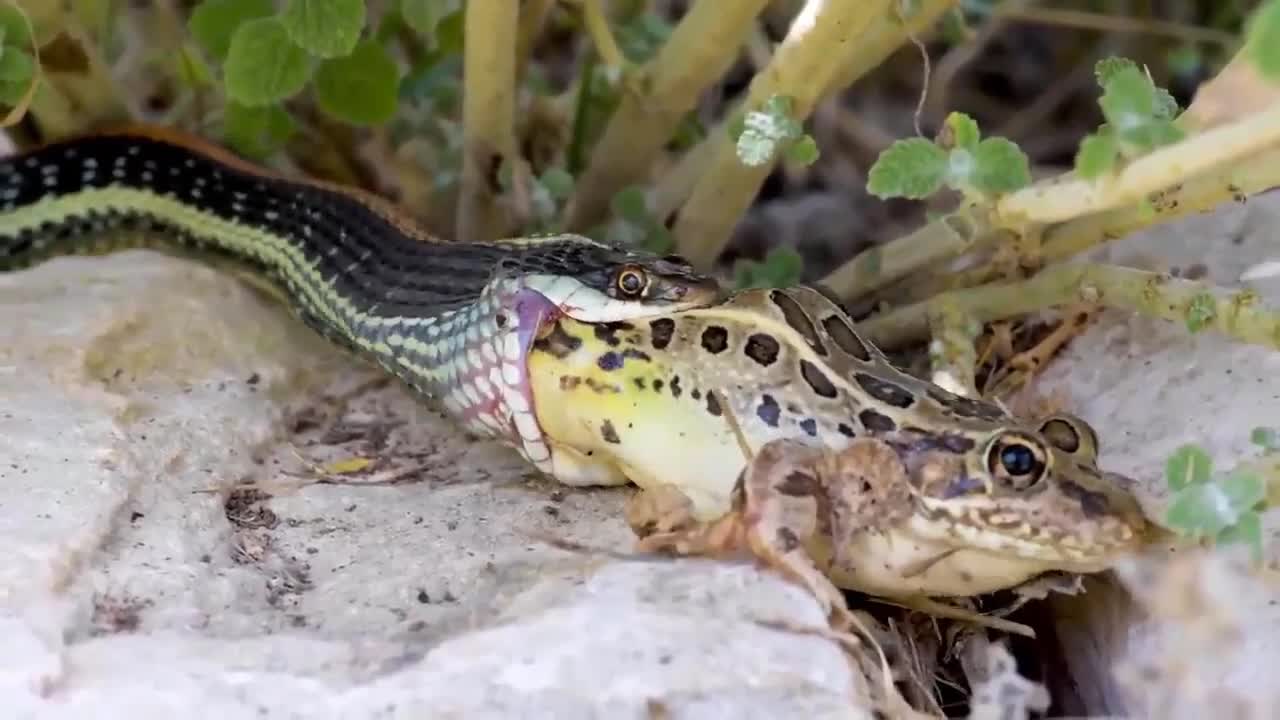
453 320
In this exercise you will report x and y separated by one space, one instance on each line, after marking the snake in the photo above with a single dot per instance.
453 320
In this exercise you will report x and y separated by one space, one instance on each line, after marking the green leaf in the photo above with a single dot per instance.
631 205
1188 465
784 265
961 166
450 35
14 30
765 130
1201 310
736 125
1106 68
961 132
1001 166
361 88
17 70
1097 155
803 151
1201 511
16 67
558 182
1247 530
912 168
1153 134
423 15
641 37
1129 99
1263 40
1265 438
1166 105
324 28
213 22
263 65
1243 490
256 132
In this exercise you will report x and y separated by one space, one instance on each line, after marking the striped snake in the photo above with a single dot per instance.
453 320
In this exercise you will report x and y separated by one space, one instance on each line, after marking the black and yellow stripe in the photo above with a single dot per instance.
434 313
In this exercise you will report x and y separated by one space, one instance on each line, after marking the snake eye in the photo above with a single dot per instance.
631 282
1017 461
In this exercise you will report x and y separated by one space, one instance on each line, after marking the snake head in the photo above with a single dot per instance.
668 280
593 282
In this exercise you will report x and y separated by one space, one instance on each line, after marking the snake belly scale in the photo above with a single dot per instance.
453 320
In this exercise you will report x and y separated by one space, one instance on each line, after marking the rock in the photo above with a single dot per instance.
1150 386
169 551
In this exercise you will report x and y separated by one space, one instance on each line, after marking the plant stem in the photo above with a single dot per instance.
953 356
699 52
1235 312
488 112
942 239
1202 193
1065 198
533 17
593 16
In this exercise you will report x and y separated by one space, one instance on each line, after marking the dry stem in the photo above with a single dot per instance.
488 113
1065 198
1236 313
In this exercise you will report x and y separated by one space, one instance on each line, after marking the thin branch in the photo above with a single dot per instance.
1109 23
533 17
1235 312
699 52
946 237
1229 183
488 113
1065 198
597 22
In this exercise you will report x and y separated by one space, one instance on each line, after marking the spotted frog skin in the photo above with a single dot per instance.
702 401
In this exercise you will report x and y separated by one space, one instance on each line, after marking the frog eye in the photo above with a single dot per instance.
1017 461
1071 435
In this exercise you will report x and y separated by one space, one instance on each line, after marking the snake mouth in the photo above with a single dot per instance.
534 314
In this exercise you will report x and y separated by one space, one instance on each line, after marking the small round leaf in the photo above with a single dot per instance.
361 88
263 65
324 28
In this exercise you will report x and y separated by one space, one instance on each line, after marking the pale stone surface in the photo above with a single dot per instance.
1150 386
138 390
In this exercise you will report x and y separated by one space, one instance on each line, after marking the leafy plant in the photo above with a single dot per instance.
1140 118
760 135
1224 508
268 57
959 158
